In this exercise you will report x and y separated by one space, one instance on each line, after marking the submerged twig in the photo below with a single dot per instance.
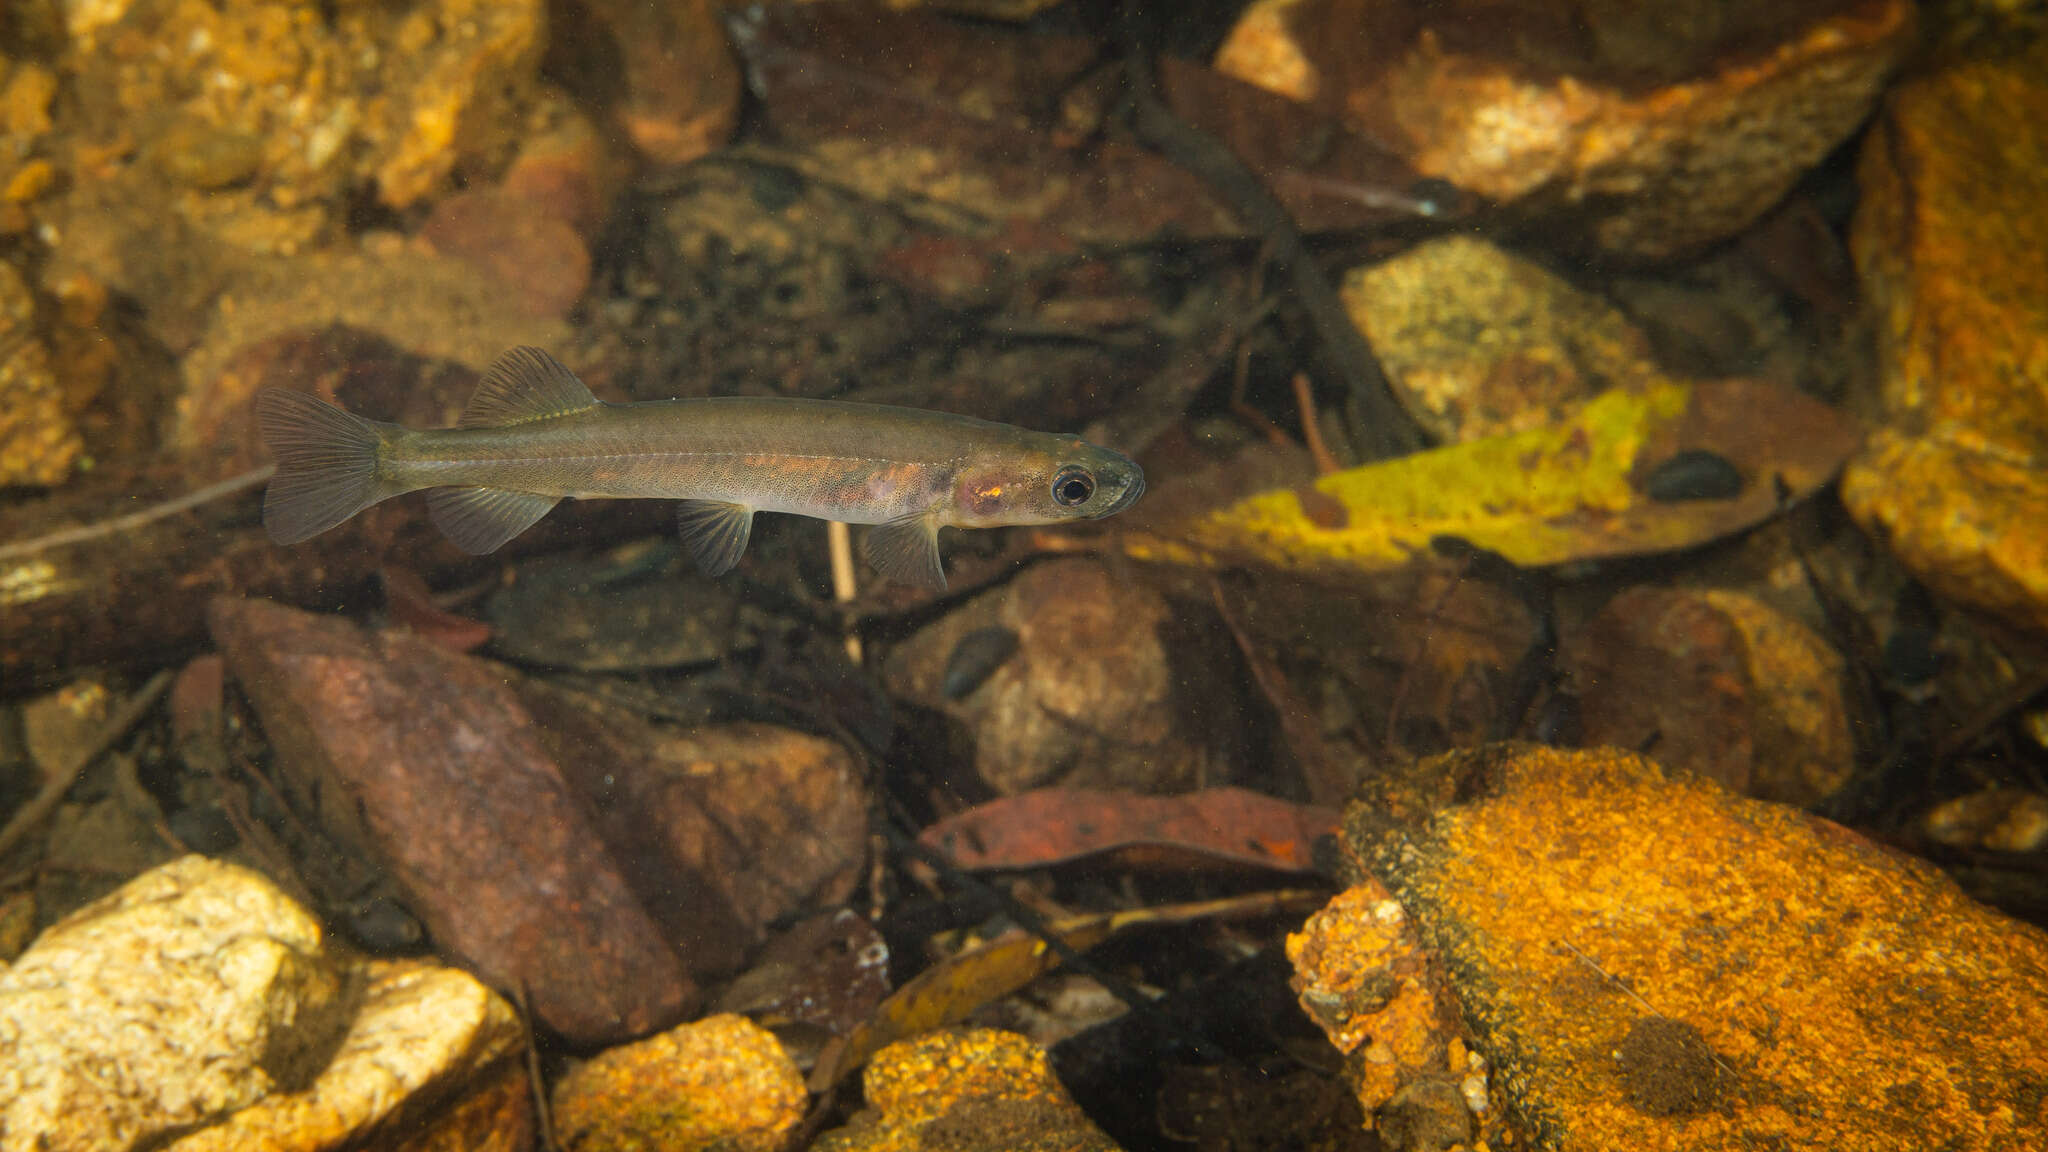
839 542
1388 429
60 781
130 521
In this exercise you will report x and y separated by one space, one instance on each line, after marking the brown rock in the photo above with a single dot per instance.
718 1083
1719 684
1766 977
727 829
682 84
1657 131
965 1091
1947 240
424 759
39 444
1091 697
532 254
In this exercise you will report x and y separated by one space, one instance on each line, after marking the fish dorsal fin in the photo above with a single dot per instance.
906 550
525 384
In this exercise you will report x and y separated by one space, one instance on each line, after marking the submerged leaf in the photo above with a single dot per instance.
1571 491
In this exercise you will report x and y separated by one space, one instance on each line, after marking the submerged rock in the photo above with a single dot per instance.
1653 130
965 1091
1653 963
424 760
190 992
1720 684
718 1083
1948 241
1095 693
425 1040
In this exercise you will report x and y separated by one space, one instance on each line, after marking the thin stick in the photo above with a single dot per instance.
133 520
60 781
1311 432
839 542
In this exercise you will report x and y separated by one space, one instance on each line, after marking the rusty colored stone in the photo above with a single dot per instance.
1092 696
724 829
424 759
1798 987
1653 131
722 1082
965 1091
1365 978
1719 684
1947 241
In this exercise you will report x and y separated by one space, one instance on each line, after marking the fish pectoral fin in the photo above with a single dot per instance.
480 520
906 550
715 532
522 385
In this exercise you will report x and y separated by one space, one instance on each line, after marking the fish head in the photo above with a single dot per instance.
1044 480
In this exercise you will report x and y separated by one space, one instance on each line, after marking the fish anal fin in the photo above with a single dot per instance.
522 385
715 533
480 520
906 550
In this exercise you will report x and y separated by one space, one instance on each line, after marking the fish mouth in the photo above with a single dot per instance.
1133 488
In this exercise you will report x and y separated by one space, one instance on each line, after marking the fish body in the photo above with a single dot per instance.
534 435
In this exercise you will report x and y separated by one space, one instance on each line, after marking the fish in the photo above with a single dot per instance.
534 435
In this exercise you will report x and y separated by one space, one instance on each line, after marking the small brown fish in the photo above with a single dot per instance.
533 435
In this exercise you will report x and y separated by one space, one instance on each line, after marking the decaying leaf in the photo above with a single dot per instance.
1567 492
948 992
1052 825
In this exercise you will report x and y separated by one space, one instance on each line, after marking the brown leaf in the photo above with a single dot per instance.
1052 825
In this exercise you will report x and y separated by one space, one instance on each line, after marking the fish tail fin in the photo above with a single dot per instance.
327 464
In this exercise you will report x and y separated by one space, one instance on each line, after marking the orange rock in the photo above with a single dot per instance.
1365 978
721 1082
1657 964
1655 142
1948 241
965 1091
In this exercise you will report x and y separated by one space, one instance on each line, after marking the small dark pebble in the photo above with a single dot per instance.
383 925
975 658
204 828
1694 474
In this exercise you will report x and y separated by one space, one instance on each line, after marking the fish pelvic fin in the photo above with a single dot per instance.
906 550
328 464
522 385
480 520
715 532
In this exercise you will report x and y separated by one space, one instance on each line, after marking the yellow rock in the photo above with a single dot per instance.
965 1091
722 1082
1656 964
1948 240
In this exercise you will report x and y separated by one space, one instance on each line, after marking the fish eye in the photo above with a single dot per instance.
1072 486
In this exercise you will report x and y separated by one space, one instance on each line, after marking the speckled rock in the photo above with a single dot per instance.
39 444
1722 685
193 990
1948 240
425 1040
1480 342
1653 129
721 1083
965 1091
1653 963
1365 978
1090 695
